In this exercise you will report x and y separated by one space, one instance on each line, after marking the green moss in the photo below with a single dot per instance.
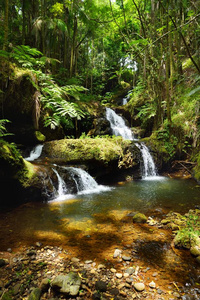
39 136
197 167
88 149
13 166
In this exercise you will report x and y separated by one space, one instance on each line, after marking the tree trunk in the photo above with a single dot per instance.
6 14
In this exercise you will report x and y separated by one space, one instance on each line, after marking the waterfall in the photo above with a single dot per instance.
62 187
35 153
119 128
118 125
80 179
149 168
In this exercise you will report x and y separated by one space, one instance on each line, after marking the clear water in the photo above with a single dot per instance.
143 195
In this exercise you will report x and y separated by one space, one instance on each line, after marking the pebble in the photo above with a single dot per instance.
139 286
87 262
119 275
113 270
117 253
152 285
126 258
75 260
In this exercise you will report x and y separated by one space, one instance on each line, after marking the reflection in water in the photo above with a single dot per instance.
140 196
95 224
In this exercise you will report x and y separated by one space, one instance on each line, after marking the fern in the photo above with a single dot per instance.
3 130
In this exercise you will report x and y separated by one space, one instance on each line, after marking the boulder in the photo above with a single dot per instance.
67 284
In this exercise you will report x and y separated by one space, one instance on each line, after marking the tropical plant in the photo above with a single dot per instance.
3 130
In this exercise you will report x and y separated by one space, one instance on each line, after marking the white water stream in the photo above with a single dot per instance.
35 153
119 128
84 183
118 125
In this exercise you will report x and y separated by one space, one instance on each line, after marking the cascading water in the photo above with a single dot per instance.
119 128
62 187
35 153
118 125
149 168
83 182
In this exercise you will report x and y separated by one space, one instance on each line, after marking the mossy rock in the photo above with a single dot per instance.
102 150
24 177
139 218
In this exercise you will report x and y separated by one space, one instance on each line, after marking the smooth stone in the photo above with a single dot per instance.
119 275
67 284
152 285
75 260
113 270
130 270
139 286
126 258
117 253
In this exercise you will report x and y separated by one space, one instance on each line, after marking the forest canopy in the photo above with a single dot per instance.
82 51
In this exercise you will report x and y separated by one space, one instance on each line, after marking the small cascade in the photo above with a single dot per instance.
149 168
83 180
35 153
118 125
79 181
120 129
62 187
125 99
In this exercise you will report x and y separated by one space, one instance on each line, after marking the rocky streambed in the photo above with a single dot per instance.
140 262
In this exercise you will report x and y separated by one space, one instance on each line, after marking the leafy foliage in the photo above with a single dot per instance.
3 130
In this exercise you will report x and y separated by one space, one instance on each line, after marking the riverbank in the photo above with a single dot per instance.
118 260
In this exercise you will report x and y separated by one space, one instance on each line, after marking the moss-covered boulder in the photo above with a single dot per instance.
20 180
100 155
139 218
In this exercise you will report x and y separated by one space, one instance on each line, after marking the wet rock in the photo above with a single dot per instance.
101 286
67 284
35 294
139 286
139 218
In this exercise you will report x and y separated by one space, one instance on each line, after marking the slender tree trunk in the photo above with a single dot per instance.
43 25
6 14
23 22
72 59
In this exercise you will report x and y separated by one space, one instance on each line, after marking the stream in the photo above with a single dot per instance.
96 220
